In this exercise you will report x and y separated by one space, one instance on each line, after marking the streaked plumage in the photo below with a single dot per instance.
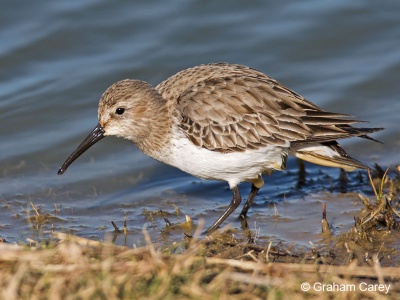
224 122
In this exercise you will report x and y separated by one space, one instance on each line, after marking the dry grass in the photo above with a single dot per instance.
77 268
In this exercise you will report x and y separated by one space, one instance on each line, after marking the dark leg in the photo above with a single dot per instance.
249 201
232 206
301 180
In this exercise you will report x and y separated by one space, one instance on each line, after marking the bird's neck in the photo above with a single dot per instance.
158 129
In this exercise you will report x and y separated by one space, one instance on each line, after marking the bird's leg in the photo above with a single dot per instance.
301 180
236 199
249 201
256 184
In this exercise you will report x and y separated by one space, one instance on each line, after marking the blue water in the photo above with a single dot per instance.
57 58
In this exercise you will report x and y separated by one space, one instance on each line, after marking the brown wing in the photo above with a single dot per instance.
235 113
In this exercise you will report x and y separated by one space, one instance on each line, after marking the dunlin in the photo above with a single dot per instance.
223 122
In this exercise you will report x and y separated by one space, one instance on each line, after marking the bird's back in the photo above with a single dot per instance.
173 87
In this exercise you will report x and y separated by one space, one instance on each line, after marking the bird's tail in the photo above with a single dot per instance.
328 154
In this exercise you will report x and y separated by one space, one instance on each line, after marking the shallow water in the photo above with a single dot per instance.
58 58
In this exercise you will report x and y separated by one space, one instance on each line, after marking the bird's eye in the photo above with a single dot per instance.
120 110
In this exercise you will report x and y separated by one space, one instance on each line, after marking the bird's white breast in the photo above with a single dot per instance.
233 167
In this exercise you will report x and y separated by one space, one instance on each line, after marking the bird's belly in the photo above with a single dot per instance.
233 167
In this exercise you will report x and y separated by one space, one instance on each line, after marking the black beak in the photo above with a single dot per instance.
96 135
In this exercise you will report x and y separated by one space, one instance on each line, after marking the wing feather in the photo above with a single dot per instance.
242 108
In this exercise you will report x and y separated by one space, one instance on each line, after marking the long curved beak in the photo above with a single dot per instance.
96 135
